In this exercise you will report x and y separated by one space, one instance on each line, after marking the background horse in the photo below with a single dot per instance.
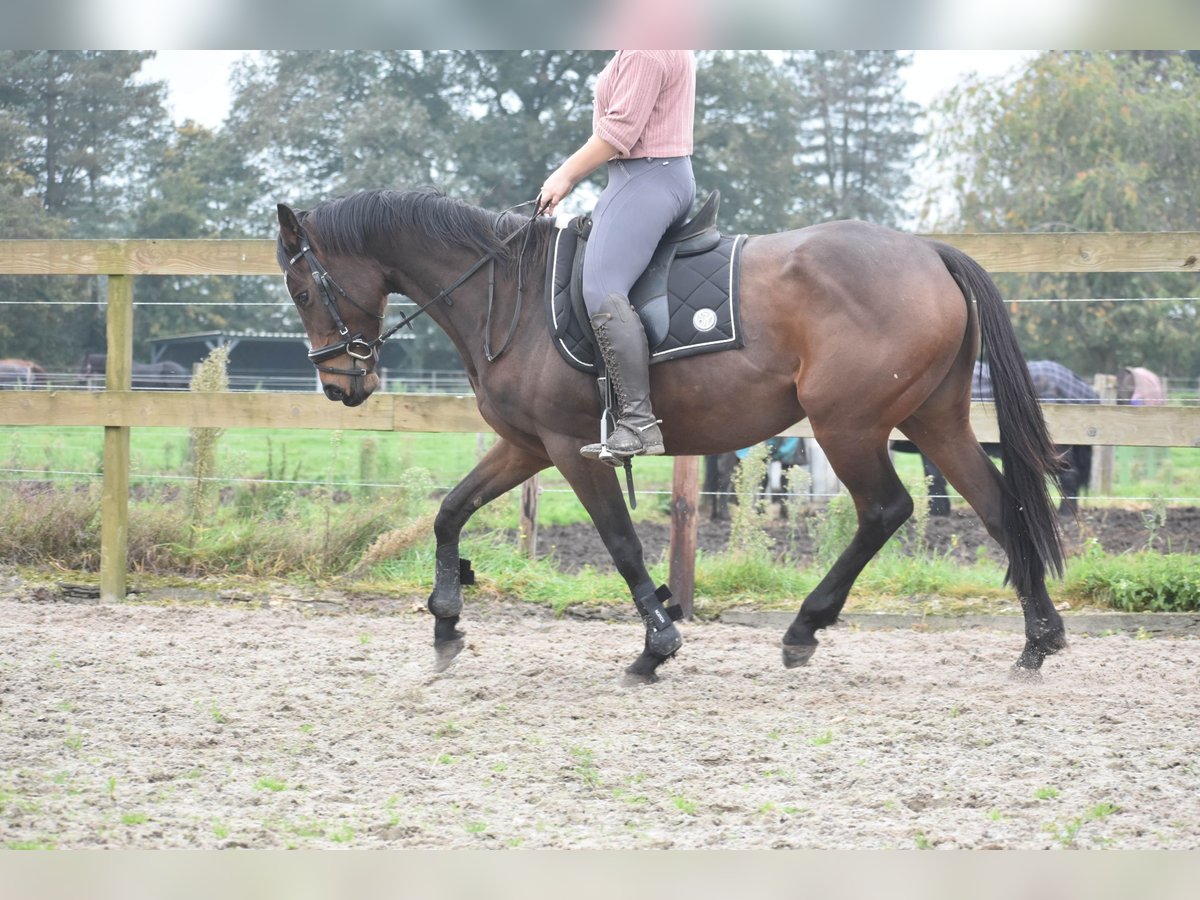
21 373
159 376
1054 383
859 328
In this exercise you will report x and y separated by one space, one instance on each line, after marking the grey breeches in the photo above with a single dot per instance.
644 198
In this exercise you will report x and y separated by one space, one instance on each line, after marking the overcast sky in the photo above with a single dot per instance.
198 80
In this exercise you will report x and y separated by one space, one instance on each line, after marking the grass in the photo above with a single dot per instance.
315 513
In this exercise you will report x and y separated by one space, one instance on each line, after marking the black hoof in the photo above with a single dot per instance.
796 655
448 642
445 652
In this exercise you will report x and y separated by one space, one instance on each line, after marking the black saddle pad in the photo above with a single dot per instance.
698 313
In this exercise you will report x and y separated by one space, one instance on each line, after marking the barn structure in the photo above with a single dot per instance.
259 360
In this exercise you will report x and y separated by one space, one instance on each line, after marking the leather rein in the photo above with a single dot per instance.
358 348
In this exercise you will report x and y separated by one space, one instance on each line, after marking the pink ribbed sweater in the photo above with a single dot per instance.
646 103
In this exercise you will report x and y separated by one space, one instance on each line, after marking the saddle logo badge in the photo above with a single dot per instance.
704 320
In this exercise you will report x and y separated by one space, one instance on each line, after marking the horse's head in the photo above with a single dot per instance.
341 301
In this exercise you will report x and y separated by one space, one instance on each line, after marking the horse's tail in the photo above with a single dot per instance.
1026 451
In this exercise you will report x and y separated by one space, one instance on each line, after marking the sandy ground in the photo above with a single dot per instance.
208 725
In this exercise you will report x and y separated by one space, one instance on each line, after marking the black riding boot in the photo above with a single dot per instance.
622 342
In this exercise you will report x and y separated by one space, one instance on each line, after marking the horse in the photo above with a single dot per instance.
1054 383
719 469
855 326
21 374
1137 386
159 376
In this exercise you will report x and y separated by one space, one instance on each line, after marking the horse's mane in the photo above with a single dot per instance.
356 224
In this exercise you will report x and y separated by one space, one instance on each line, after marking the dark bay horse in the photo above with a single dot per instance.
860 328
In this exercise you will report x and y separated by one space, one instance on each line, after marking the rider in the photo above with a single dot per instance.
642 127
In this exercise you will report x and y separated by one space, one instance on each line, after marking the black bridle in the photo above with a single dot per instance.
357 347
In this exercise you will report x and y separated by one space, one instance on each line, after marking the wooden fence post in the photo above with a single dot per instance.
685 500
1103 457
114 495
529 516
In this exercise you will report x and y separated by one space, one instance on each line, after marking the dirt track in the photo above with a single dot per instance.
143 726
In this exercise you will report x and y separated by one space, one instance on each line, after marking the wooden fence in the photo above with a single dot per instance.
118 409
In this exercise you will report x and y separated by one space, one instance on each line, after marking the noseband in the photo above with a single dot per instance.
356 346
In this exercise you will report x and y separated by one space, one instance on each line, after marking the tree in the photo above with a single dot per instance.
78 134
1087 142
202 187
746 140
89 130
856 133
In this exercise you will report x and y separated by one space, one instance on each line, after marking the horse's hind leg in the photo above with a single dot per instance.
862 464
965 464
502 468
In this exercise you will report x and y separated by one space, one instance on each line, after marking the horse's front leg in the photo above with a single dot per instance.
599 490
502 468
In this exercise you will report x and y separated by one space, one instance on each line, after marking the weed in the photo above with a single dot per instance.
220 830
342 834
746 520
822 739
476 827
923 842
306 728
585 767
270 784
74 742
36 844
211 376
364 639
1046 793
448 729
216 714
134 818
683 804
112 788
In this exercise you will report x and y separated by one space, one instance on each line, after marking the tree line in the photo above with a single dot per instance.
1078 141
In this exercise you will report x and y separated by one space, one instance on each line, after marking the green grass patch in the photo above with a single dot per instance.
1137 582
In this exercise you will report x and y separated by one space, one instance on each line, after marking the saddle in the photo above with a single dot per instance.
687 298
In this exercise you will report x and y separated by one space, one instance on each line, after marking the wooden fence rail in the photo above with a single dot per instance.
118 409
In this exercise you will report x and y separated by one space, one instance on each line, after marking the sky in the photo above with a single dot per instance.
198 80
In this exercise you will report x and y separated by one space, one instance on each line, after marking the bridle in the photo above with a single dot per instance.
357 347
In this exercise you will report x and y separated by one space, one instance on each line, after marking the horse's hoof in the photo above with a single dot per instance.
796 655
445 653
1025 675
633 678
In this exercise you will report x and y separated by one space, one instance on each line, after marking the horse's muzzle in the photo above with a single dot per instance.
355 394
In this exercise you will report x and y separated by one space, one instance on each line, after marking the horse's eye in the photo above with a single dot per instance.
301 299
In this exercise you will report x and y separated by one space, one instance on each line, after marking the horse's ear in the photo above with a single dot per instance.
289 228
